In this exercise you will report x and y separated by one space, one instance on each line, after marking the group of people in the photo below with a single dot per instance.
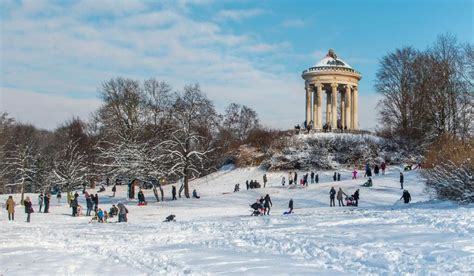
293 179
350 200
262 206
252 184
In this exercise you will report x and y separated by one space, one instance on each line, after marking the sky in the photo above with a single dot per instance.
55 55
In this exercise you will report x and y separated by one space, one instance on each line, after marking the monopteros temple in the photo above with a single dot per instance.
337 82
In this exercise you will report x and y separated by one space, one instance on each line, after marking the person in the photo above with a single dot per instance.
306 179
141 198
283 181
338 177
28 208
265 180
40 201
100 215
173 192
356 197
354 174
382 166
47 198
406 197
368 183
267 204
84 186
247 184
74 205
69 198
290 205
89 203
339 197
376 170
122 213
312 177
58 196
316 178
114 189
295 180
195 194
96 202
236 188
401 180
290 178
332 195
334 177
10 208
113 211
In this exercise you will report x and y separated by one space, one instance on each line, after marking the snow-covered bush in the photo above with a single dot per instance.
449 169
332 151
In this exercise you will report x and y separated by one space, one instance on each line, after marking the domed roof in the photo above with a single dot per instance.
331 59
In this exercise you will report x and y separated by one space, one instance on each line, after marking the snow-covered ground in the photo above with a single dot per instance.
216 233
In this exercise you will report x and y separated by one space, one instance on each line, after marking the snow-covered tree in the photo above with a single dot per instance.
70 167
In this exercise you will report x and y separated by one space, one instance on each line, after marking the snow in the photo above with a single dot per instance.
216 234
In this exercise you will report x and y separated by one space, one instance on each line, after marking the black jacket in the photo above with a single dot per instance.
28 208
290 205
268 201
332 193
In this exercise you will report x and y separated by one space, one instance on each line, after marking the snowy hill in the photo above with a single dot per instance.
216 234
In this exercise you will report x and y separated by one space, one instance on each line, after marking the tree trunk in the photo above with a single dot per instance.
186 186
22 191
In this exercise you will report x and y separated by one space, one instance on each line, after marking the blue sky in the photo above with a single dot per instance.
56 54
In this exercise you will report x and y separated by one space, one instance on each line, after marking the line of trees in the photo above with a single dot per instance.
143 130
427 106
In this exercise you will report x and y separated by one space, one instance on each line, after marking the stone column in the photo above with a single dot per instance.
343 109
314 116
328 108
355 110
308 103
319 87
348 107
334 106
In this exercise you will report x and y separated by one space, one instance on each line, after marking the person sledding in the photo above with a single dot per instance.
368 183
290 206
257 208
406 197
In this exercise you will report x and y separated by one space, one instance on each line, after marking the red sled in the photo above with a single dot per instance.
142 203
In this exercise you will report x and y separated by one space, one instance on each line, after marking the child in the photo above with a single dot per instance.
100 215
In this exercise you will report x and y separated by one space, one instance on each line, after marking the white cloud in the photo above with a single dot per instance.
293 23
43 110
238 15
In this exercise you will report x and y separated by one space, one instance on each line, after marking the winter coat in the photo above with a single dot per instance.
332 192
40 200
339 194
268 202
10 206
401 178
46 199
264 178
173 190
356 195
122 209
114 189
406 196
382 166
88 202
290 205
96 200
141 196
312 175
28 208
74 203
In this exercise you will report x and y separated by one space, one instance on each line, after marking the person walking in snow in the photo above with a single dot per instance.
267 204
58 196
382 166
401 180
356 197
339 197
28 208
89 203
122 212
334 177
141 198
316 178
312 177
74 205
376 170
264 180
283 181
96 203
332 196
354 174
10 203
338 176
40 201
114 189
406 197
295 179
173 192
290 178
290 206
47 198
